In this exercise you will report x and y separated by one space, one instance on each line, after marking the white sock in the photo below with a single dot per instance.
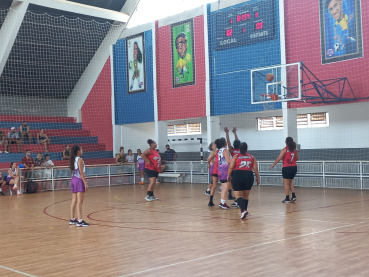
18 191
142 179
222 201
1 189
207 189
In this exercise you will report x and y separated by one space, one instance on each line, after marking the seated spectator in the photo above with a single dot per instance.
3 141
66 153
42 138
29 164
130 158
2 183
39 160
24 132
170 154
13 138
48 164
120 158
13 177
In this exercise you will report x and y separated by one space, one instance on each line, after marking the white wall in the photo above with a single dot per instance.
135 136
348 128
189 145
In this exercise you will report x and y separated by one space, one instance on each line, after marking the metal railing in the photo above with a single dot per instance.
324 174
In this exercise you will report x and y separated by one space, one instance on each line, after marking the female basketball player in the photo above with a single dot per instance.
13 177
241 169
152 168
78 185
290 156
141 166
223 165
210 159
214 173
235 149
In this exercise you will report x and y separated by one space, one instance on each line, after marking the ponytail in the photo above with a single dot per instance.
73 156
243 148
291 144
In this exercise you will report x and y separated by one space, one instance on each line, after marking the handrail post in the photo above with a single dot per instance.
109 173
361 175
52 178
324 174
191 169
134 173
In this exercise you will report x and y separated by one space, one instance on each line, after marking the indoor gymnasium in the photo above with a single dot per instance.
184 138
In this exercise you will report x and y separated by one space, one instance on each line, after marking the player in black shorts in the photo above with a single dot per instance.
243 166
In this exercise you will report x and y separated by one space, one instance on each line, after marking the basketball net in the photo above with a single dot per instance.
267 105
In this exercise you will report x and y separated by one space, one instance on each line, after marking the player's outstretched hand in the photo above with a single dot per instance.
226 129
234 130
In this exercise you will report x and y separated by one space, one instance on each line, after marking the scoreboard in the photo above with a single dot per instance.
248 24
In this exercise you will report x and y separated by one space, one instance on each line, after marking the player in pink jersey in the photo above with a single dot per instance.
224 158
233 150
242 168
290 156
213 171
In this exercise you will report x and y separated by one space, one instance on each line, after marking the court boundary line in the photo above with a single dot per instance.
17 271
233 251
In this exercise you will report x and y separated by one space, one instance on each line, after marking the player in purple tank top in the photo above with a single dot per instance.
78 186
224 158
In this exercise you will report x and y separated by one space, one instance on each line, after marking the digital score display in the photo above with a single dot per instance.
247 24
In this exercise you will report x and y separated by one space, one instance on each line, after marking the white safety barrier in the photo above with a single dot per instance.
323 174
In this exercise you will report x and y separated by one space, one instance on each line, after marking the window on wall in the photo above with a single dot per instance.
184 129
310 120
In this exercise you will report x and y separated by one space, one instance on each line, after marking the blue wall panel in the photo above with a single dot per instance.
138 107
230 91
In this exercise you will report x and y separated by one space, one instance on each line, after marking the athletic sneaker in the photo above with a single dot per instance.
234 204
15 187
224 206
73 222
211 204
141 183
153 198
286 201
82 224
293 198
1 193
18 192
148 198
231 197
207 192
244 214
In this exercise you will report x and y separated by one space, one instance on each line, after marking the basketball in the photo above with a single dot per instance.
270 77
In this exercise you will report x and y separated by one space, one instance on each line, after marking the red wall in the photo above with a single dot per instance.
96 111
303 44
181 102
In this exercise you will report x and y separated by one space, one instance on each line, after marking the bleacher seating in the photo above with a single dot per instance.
61 131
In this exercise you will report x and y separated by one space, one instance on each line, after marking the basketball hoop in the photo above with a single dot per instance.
265 98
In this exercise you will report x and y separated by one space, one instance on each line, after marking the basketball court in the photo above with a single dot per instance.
179 236
141 91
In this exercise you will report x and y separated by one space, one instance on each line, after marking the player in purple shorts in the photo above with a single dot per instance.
78 185
224 158
141 166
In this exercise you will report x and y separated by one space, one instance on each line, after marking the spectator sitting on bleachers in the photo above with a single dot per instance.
24 132
130 158
3 141
120 158
2 183
13 177
66 153
13 138
48 164
40 160
29 164
42 138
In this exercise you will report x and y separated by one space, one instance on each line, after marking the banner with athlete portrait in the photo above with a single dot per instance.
183 54
340 30
136 74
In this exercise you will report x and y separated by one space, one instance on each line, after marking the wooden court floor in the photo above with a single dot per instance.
325 233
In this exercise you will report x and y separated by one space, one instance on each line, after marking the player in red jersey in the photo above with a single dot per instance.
213 171
290 156
152 168
241 171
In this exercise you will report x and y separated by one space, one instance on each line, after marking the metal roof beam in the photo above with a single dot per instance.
80 9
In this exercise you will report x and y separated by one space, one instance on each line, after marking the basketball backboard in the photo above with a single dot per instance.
286 85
